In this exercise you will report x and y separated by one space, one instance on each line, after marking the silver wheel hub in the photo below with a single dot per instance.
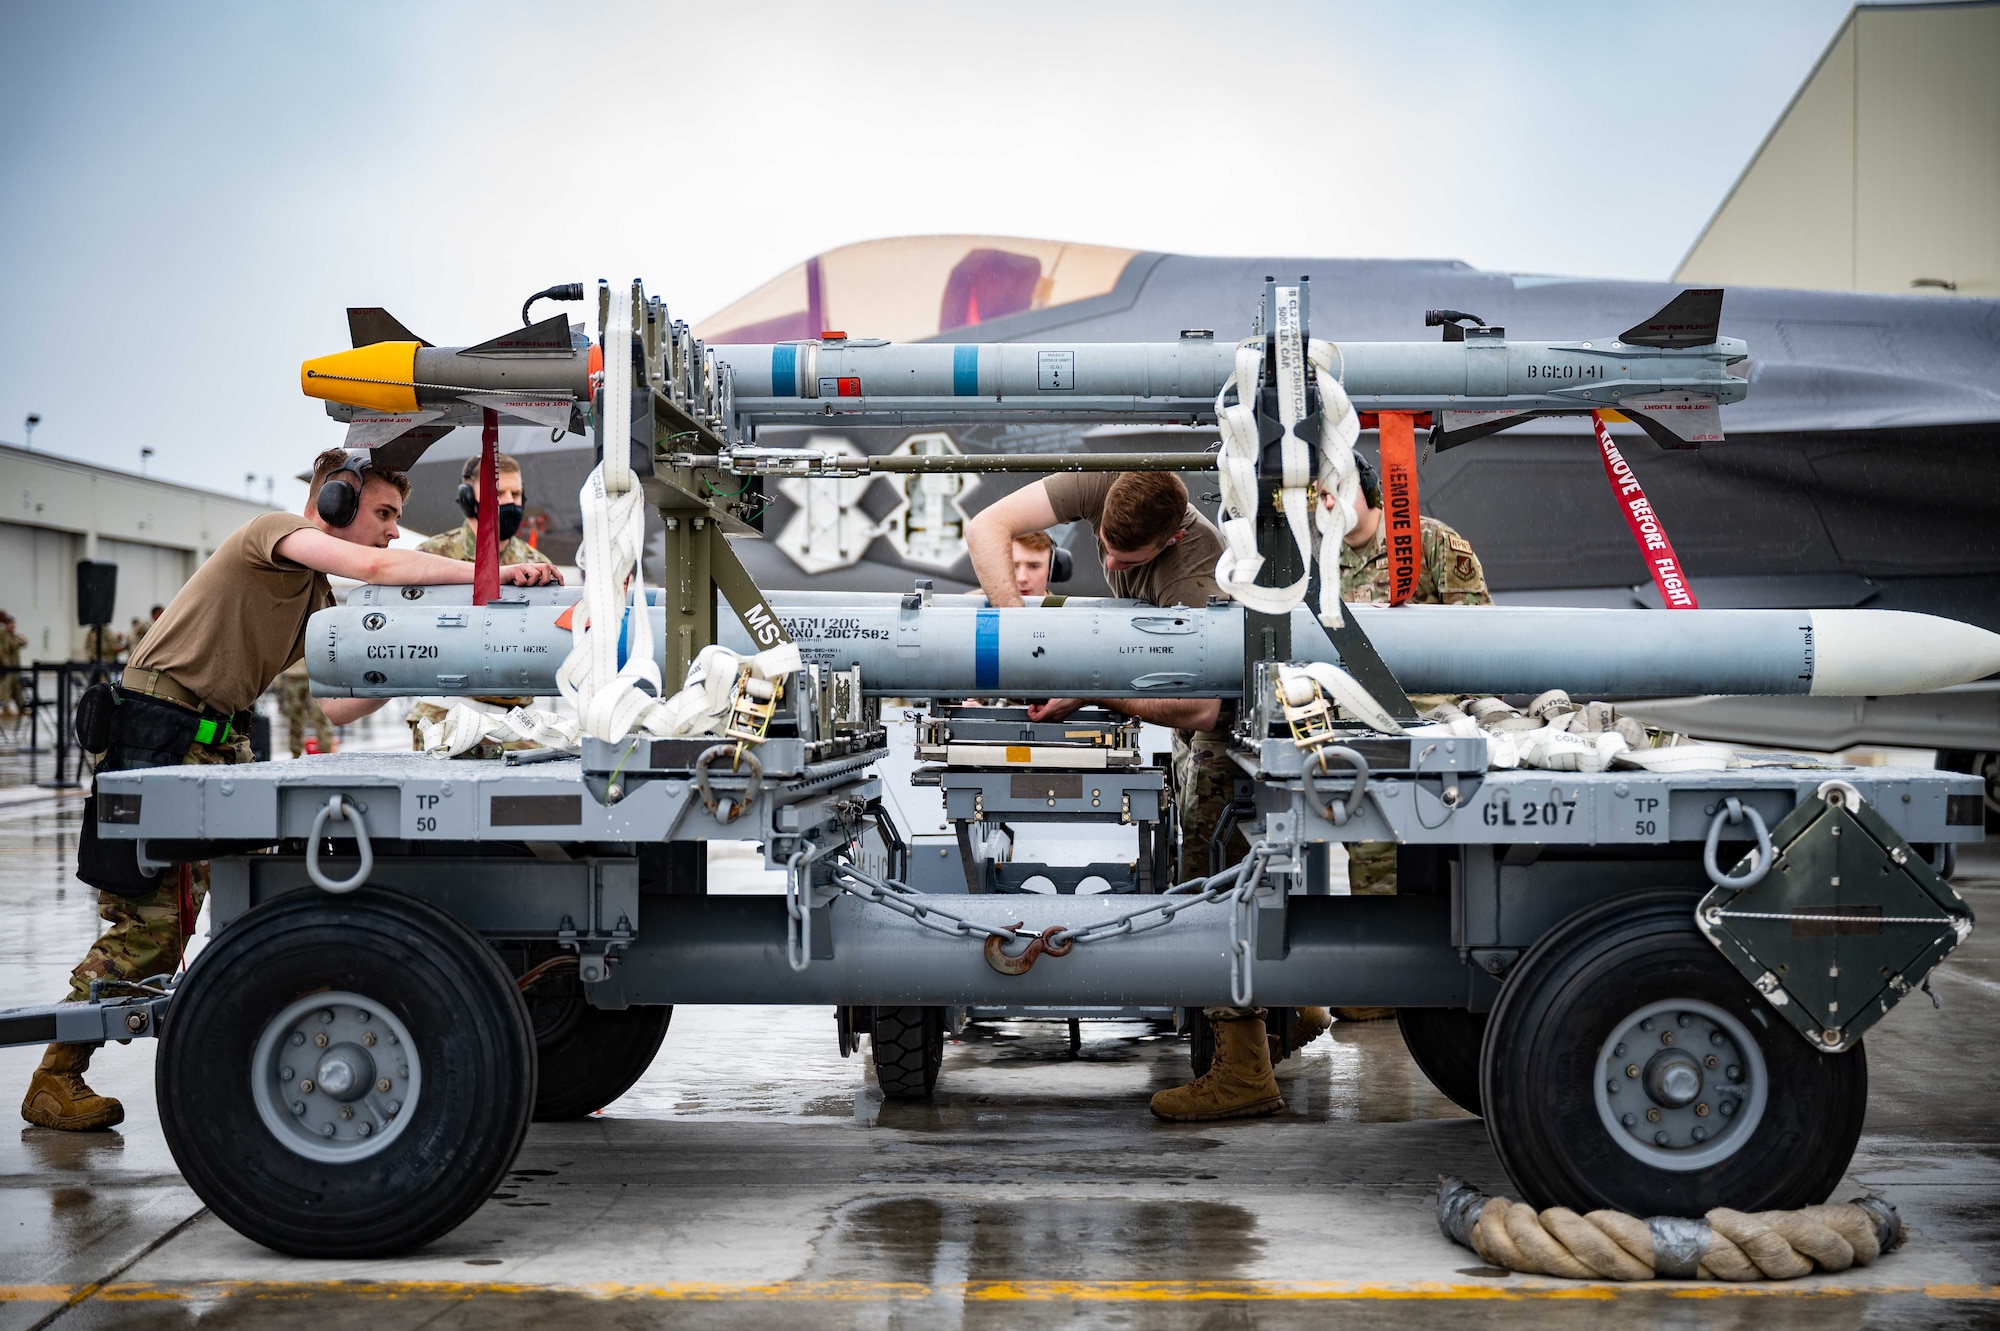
335 1077
1681 1085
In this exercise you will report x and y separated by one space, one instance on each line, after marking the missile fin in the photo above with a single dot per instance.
539 410
402 452
550 337
375 324
1675 420
1691 319
1462 427
366 429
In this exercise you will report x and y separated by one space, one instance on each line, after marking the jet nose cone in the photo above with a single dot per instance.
377 377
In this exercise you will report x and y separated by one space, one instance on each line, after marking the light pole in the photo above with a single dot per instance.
145 456
34 419
249 483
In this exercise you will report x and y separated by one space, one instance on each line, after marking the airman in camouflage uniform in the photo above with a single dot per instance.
13 693
302 711
149 933
1450 575
462 543
114 645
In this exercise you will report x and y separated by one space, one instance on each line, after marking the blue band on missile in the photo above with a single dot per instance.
965 371
986 650
784 370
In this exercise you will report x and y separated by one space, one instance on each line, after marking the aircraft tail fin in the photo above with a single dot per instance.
375 324
1691 319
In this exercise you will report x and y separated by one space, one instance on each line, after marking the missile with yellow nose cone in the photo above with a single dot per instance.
398 393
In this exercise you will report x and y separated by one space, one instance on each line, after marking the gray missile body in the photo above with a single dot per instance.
388 644
923 383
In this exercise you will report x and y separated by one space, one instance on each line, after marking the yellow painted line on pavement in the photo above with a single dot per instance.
989 1291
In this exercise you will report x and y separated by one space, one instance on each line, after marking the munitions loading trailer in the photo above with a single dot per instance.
1651 985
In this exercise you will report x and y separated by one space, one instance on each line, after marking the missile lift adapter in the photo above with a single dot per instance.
1674 969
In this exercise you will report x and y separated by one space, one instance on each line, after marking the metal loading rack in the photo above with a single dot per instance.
480 840
1652 985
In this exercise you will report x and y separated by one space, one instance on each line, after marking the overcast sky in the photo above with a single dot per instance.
192 194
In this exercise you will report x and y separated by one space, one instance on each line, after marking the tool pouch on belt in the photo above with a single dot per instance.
137 731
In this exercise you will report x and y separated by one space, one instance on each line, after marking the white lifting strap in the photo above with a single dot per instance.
462 728
1305 477
609 702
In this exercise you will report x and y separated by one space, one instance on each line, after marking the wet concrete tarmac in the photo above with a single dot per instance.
753 1177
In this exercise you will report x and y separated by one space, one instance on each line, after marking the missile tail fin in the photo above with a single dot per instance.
1674 420
402 452
549 337
374 324
1462 427
1691 319
371 429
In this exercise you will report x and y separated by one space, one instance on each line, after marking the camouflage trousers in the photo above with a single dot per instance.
302 714
1204 787
1371 868
148 934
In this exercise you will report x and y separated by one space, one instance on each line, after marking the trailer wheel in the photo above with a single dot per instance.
1200 1038
1444 1043
1985 766
594 1057
907 1047
345 1077
585 1056
1627 1066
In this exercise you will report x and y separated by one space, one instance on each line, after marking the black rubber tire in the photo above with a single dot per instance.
1986 766
1201 1040
594 1057
1445 1043
465 1019
1538 1071
907 1047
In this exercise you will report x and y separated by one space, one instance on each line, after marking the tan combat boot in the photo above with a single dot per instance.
1238 1083
1364 1013
58 1098
1308 1024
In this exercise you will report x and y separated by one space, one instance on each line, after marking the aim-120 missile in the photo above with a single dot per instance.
388 643
1667 374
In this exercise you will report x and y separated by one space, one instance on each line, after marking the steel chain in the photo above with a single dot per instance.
1239 881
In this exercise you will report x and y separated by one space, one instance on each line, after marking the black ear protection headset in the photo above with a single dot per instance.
468 502
339 501
1371 480
1062 565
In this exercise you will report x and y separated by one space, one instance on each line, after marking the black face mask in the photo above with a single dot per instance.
510 520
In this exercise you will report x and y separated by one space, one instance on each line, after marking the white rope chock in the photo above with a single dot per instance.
610 676
1308 477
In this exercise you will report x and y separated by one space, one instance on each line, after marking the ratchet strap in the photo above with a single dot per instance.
1647 529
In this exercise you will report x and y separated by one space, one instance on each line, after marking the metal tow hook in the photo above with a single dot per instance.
1019 963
